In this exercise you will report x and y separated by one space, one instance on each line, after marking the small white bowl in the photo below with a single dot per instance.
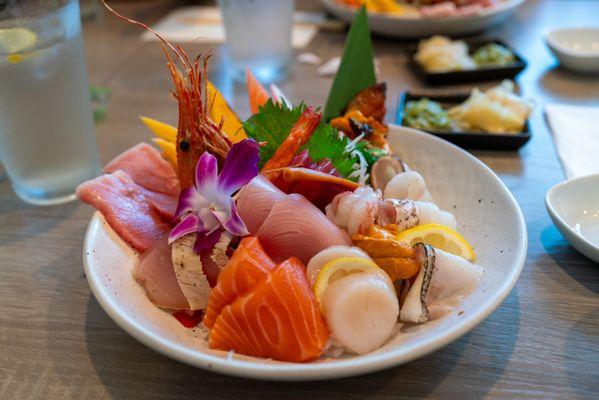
575 48
573 206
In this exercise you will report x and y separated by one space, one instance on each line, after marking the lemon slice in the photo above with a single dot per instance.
340 267
439 236
16 40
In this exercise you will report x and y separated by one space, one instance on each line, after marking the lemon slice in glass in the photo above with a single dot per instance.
439 236
15 41
340 267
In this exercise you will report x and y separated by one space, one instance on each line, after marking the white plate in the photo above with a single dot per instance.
488 215
575 48
573 206
416 27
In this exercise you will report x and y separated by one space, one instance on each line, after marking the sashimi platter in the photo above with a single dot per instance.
303 242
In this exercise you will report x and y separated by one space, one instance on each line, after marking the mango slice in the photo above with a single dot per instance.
219 109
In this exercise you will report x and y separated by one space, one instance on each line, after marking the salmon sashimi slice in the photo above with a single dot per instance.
278 319
248 265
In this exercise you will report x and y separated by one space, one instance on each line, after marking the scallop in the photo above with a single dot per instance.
361 311
329 254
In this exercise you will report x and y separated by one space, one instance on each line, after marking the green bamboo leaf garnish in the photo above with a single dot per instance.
356 71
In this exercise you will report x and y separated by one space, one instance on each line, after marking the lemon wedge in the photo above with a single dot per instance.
340 267
441 237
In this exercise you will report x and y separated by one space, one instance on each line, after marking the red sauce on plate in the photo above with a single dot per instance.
189 319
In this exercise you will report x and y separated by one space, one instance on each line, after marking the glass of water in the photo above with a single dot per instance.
258 37
47 140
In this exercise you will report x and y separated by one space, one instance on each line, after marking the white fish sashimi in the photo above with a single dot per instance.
407 213
361 311
429 213
443 281
319 260
453 276
408 185
156 275
189 272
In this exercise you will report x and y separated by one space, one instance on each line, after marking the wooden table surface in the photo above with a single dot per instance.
56 341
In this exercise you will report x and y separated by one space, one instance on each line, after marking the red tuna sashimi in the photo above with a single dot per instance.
246 267
278 319
295 227
155 273
132 211
147 168
256 200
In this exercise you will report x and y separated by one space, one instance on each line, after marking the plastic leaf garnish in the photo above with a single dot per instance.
356 71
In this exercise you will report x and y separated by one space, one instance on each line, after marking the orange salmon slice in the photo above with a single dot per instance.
278 319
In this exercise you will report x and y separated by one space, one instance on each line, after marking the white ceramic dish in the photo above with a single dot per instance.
573 206
575 48
489 217
415 27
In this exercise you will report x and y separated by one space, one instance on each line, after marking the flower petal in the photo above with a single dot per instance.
206 171
189 200
241 166
207 241
235 224
190 224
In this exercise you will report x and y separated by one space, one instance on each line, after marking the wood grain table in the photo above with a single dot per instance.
543 342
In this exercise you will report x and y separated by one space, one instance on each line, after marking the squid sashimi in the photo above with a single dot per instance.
248 265
138 215
443 281
361 310
408 185
138 161
256 200
295 227
155 273
278 319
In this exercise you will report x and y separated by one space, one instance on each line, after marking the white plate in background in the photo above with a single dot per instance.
416 27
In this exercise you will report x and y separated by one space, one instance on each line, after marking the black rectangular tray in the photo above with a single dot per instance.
473 75
468 140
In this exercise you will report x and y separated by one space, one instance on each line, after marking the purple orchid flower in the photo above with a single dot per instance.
207 208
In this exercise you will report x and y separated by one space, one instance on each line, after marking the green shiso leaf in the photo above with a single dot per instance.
273 123
356 71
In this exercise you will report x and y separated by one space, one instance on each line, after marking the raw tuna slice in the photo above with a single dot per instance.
278 319
131 210
147 168
155 273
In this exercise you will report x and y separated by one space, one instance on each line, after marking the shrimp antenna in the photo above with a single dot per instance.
177 50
